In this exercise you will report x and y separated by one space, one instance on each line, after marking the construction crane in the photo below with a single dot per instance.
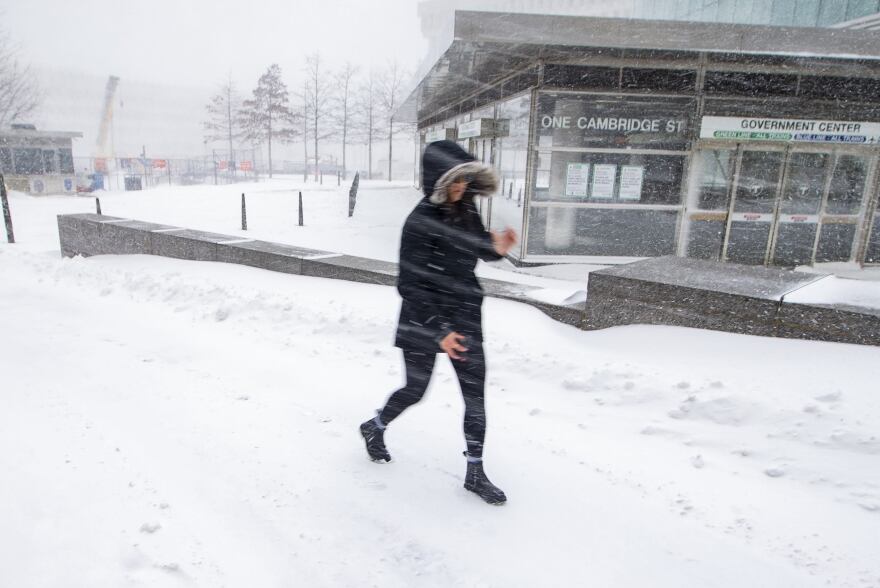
102 149
89 182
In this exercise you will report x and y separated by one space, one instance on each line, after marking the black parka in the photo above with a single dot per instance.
439 248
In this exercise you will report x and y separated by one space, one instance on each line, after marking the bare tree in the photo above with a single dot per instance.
319 97
391 88
267 115
343 106
224 121
20 94
368 115
304 107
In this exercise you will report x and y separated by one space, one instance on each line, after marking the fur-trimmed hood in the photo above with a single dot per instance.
445 163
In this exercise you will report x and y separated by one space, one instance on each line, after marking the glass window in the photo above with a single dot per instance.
5 160
859 8
840 88
65 161
706 238
49 161
747 243
28 161
830 13
872 255
578 76
806 13
794 243
570 120
511 155
783 12
804 184
601 232
835 242
738 83
659 80
564 176
847 185
758 177
713 177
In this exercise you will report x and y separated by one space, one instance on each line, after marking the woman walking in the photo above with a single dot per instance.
441 311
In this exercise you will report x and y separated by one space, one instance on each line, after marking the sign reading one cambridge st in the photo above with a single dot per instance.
789 129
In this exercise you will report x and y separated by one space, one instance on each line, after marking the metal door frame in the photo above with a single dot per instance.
783 173
829 169
834 152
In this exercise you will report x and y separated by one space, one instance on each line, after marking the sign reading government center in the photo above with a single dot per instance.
788 129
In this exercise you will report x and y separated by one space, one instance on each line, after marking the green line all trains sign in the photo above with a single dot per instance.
789 129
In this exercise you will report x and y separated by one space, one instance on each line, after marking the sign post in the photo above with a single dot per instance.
7 215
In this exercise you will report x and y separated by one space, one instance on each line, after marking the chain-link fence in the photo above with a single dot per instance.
138 173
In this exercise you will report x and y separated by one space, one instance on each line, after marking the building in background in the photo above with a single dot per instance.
37 162
787 13
437 16
620 139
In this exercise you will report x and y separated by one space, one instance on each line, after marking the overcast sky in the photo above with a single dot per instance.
200 42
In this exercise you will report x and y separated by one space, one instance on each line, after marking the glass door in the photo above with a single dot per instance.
806 176
843 208
750 222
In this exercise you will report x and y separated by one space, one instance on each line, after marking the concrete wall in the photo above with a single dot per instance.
92 234
724 297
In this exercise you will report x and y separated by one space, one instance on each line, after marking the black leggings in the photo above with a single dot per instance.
471 377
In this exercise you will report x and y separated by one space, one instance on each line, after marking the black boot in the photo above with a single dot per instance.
476 481
374 437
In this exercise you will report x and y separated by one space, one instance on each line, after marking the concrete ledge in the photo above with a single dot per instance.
130 236
80 234
187 244
92 234
572 314
265 255
351 268
724 297
661 291
843 324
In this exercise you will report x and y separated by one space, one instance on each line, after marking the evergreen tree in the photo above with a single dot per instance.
267 115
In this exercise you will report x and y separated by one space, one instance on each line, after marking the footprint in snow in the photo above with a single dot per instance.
150 528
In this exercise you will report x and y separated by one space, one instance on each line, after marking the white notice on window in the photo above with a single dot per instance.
631 177
603 180
542 178
576 179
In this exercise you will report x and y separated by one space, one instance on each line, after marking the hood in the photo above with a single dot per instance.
445 163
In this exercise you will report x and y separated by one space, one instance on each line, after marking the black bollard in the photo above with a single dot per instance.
352 194
243 213
7 215
519 198
322 178
338 179
300 209
510 191
97 206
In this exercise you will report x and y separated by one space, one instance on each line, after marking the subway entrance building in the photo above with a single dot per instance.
617 140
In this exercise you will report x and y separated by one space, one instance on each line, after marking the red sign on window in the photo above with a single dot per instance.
160 164
222 164
246 166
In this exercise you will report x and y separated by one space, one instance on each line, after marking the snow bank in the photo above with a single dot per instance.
170 423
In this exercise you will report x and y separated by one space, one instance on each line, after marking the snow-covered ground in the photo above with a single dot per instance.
174 423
